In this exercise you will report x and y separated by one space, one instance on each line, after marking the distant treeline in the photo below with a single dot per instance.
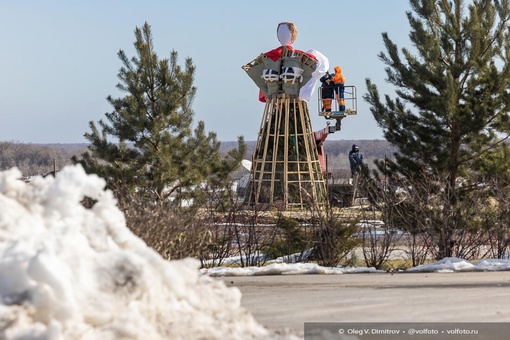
39 159
373 148
337 152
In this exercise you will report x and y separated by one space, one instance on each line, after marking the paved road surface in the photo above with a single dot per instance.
286 302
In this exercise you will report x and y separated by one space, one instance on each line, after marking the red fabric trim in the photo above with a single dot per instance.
262 98
276 54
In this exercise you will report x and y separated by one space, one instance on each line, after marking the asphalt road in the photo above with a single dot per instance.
286 302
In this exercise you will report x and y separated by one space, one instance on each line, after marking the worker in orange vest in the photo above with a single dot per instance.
339 81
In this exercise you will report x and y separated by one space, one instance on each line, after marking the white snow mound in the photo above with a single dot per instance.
68 272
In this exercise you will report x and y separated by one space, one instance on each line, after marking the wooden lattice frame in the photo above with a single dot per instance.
286 170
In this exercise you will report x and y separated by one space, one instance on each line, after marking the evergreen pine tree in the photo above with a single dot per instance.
154 149
453 101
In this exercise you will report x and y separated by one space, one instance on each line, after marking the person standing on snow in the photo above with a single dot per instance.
355 160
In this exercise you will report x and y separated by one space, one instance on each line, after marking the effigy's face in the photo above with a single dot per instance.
287 33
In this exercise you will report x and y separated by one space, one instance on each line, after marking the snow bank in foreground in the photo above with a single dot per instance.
67 272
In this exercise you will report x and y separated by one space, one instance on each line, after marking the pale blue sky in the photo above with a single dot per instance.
58 59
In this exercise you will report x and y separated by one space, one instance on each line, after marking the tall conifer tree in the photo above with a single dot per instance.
155 148
453 100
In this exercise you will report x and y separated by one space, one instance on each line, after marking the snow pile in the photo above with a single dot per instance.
493 264
446 265
67 272
454 264
285 269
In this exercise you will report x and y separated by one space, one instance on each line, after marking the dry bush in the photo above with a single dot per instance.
472 224
334 237
173 232
250 238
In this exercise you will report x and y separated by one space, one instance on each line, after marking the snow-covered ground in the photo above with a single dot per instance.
67 272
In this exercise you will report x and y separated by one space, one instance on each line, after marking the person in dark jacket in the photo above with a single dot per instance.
355 160
327 92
